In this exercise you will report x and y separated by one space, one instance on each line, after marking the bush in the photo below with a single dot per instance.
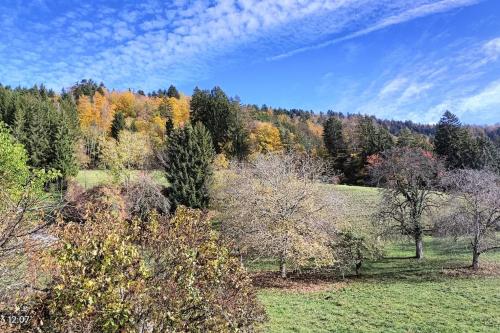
112 274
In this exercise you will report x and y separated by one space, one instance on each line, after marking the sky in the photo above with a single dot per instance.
396 59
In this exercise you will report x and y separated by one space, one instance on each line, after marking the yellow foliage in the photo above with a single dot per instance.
179 109
220 162
141 125
97 114
85 112
267 137
124 102
158 126
315 129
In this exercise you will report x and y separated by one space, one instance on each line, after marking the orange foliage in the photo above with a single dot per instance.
124 102
97 114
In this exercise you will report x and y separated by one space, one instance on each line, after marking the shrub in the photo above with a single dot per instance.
112 274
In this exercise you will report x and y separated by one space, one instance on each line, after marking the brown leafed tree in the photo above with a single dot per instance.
475 209
276 208
409 177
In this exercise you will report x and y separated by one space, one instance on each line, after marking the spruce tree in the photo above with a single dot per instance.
173 92
169 127
189 155
239 138
334 142
64 150
117 125
332 137
454 143
213 109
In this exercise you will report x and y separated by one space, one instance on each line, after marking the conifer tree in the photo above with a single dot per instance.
213 109
173 92
169 126
117 125
334 141
64 151
189 155
447 140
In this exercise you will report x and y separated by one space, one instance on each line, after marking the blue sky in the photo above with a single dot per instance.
397 59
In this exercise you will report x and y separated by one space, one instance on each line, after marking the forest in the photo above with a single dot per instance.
133 211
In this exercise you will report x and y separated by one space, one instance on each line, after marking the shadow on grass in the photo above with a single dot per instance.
444 259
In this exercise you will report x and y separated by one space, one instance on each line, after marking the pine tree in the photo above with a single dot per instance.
173 92
117 125
189 155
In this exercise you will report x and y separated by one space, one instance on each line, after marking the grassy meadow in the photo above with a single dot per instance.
91 178
394 294
436 294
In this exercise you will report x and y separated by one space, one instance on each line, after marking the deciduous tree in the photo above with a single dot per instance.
475 209
409 177
275 208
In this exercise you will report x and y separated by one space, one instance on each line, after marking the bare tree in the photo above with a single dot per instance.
409 177
276 208
475 209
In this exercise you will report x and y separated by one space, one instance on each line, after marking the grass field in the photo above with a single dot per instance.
397 295
92 178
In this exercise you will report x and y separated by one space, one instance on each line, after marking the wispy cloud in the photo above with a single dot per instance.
144 44
473 105
409 13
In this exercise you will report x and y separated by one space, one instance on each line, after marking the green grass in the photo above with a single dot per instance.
396 295
91 178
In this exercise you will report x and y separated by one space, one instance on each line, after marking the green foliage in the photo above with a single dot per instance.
86 88
172 92
238 144
334 142
372 139
189 156
453 142
169 126
117 125
46 127
14 171
213 109
407 138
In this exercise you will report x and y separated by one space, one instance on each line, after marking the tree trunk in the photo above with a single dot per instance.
283 268
475 259
419 247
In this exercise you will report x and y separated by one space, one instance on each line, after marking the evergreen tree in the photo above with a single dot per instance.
169 127
239 138
172 92
334 142
64 150
332 137
117 125
133 126
448 141
213 109
189 155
